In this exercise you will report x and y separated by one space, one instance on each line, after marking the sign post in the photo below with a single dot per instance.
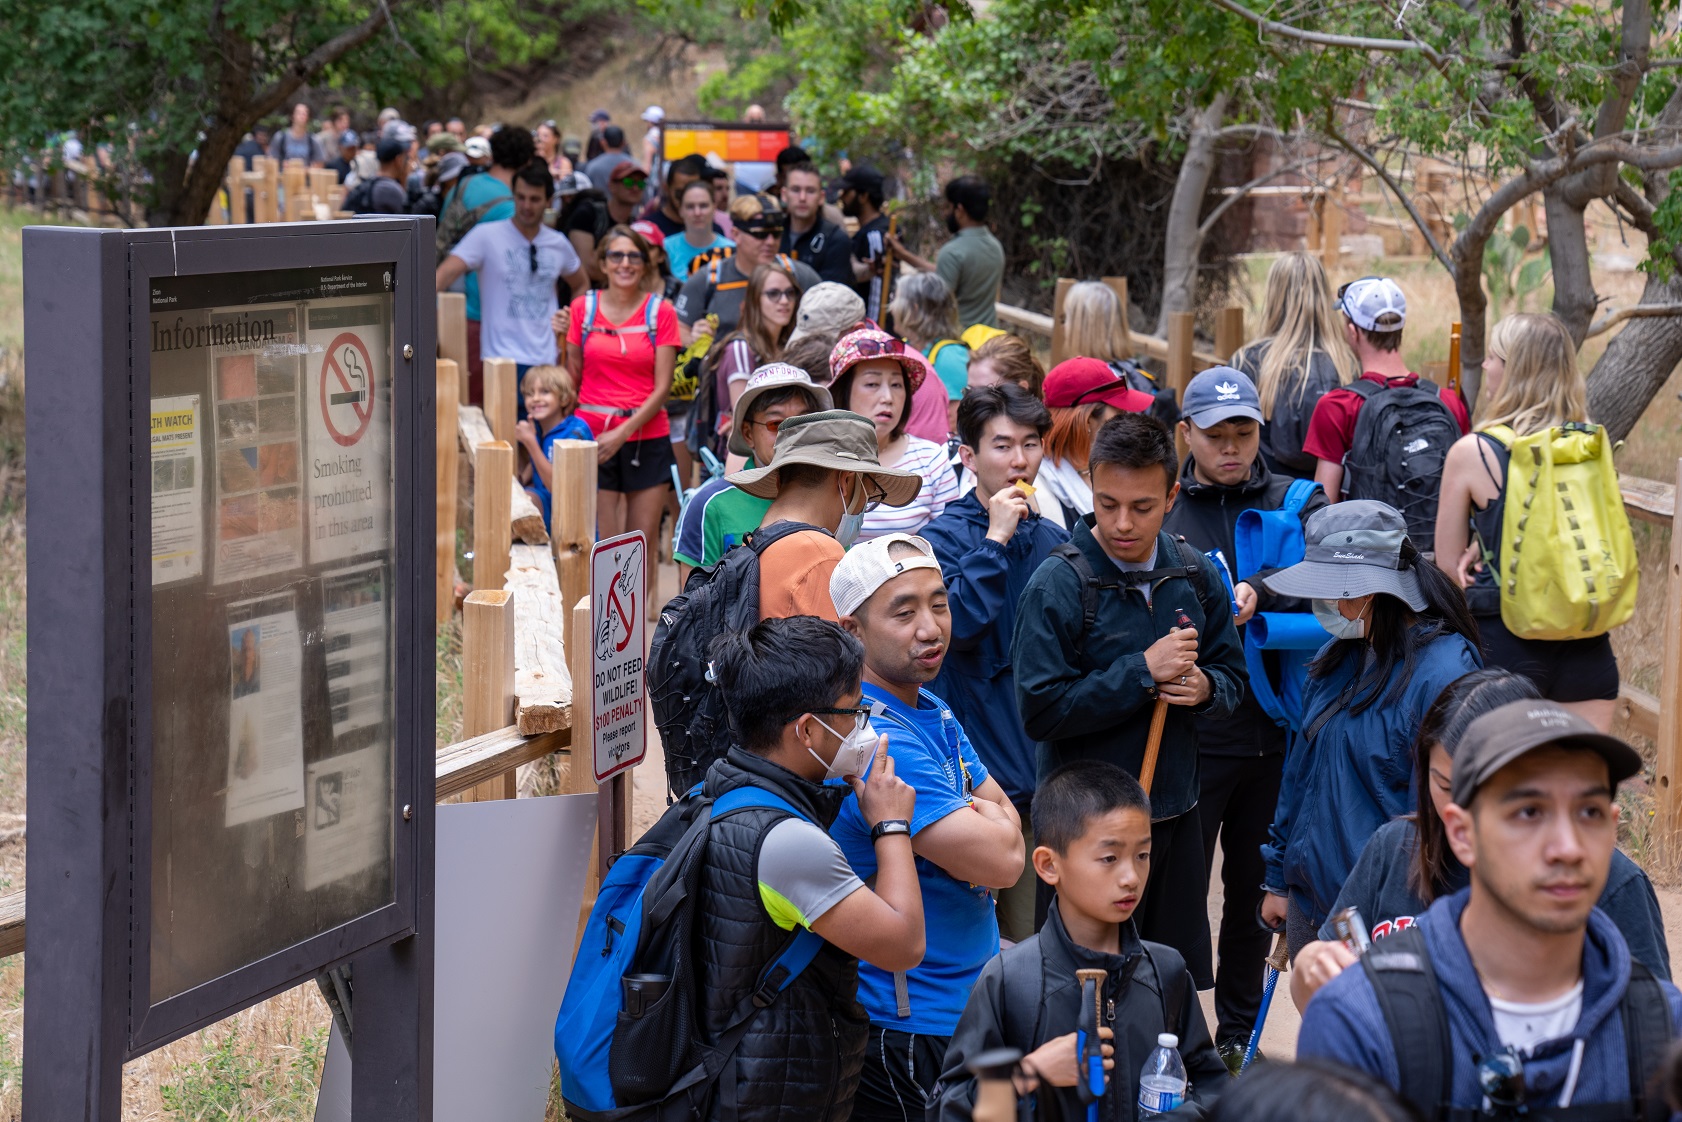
618 706
230 763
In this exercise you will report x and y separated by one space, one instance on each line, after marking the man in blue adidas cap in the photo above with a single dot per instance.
1242 757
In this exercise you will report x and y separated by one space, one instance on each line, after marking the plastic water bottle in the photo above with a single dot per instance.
1162 1085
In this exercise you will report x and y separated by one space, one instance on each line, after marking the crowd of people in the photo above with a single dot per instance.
1014 651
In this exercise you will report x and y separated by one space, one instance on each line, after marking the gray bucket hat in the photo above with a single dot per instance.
1354 548
835 439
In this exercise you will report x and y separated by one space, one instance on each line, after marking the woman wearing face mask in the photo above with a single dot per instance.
874 375
1408 863
1400 634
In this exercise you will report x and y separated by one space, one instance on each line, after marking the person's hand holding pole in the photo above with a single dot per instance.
1172 661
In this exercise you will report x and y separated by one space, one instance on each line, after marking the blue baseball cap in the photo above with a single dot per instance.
1219 394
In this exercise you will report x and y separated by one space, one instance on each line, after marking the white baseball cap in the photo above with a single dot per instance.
654 114
867 567
1364 300
477 148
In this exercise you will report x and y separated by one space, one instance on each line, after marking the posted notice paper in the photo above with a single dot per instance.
177 490
348 822
354 617
265 710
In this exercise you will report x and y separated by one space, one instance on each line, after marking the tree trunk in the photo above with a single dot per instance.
1637 362
204 177
1474 306
1568 253
1184 243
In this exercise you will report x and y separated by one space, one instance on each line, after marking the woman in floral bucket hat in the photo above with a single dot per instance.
875 375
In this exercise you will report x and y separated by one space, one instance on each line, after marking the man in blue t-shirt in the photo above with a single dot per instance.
965 832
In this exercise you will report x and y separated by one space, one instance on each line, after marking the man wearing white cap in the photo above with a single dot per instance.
967 835
1374 312
652 157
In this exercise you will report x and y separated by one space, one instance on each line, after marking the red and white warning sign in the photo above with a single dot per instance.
346 392
619 720
348 480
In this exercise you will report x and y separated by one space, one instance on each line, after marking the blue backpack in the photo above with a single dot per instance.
1272 539
628 1037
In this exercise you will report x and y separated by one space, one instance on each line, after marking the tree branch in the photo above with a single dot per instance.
1354 42
305 69
1395 188
1639 311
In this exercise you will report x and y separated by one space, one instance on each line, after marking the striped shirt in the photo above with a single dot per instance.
940 487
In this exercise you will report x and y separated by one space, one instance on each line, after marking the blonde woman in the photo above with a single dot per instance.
925 314
1531 383
1095 326
1302 354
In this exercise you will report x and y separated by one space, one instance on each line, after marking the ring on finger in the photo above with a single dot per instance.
1183 678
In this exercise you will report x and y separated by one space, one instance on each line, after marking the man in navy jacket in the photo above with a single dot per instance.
1088 692
989 543
1523 992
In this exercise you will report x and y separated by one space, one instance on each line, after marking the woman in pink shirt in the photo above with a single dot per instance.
623 342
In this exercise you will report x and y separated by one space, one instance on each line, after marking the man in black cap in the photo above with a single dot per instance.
389 194
1515 994
862 196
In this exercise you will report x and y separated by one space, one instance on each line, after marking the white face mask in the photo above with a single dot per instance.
848 531
1337 624
854 755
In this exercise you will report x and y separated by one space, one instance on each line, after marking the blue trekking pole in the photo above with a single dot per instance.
1089 1046
1276 963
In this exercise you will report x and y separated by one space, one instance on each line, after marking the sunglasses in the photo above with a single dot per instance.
1501 1078
626 257
760 232
533 249
875 348
635 182
781 295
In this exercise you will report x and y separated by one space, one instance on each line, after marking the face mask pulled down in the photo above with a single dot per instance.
858 747
1339 626
848 531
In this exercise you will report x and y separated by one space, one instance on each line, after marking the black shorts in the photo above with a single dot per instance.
1562 669
637 466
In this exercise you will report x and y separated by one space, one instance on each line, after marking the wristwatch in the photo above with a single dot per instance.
887 827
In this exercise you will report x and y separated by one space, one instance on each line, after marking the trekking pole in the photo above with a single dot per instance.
887 268
1454 357
1159 720
1089 1046
1276 963
995 1092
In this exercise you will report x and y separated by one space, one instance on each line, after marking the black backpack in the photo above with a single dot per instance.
1166 408
688 707
1402 437
1091 584
361 197
1399 968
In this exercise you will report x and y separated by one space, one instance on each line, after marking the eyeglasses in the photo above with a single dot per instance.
875 348
1501 1078
626 257
770 426
876 494
856 712
782 294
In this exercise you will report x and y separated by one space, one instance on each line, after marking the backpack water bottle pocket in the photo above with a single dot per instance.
652 1039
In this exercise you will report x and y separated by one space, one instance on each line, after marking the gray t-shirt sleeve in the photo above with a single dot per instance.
802 874
691 298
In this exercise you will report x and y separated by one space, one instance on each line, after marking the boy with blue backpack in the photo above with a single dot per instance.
719 970
1241 757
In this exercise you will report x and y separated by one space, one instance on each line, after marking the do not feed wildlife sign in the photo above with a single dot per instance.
618 707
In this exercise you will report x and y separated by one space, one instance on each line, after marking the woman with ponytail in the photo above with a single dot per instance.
1400 633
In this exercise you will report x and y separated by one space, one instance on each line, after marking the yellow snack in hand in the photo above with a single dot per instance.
1025 487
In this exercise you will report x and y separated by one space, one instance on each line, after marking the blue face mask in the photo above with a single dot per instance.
848 531
1337 624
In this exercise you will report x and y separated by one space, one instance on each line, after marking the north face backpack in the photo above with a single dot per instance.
628 1036
1402 436
1166 408
688 707
1564 516
1405 984
1278 646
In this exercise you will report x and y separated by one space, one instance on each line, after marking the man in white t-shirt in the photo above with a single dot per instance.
1515 993
519 262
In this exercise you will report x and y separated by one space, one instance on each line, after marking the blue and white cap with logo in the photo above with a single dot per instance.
1219 394
1365 300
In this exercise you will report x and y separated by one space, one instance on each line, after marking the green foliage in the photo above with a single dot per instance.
231 1080
1507 275
1667 216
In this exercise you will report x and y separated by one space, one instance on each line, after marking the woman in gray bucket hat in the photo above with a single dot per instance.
1400 633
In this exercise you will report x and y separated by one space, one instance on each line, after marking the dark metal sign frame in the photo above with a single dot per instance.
87 319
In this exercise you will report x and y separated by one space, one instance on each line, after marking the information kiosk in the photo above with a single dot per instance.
230 443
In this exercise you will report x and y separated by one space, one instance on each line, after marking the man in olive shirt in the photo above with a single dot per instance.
973 263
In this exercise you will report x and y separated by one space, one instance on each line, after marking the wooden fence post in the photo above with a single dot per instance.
295 179
1058 343
270 209
1118 285
1668 766
487 677
1229 333
581 772
502 388
448 447
1331 233
1180 339
235 184
452 336
493 537
573 516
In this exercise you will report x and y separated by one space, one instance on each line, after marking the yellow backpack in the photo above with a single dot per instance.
1567 566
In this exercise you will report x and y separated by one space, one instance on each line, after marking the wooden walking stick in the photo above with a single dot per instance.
887 270
1159 720
1454 357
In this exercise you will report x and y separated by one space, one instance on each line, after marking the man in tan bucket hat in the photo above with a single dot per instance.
823 475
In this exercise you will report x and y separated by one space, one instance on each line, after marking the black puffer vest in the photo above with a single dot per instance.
802 1057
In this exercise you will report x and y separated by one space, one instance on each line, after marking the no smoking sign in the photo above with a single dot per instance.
347 388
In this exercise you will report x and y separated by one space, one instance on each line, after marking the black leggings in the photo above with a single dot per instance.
1562 669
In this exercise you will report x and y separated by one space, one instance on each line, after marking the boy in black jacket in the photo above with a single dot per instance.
1093 824
1241 758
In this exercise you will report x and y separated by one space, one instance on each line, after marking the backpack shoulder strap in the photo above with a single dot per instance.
1022 990
651 317
1364 389
1647 1031
762 539
1399 968
1297 495
1172 991
937 348
592 301
1090 585
1192 559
